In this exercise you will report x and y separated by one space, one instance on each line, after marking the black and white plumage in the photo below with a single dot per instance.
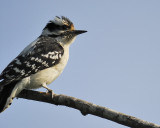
40 63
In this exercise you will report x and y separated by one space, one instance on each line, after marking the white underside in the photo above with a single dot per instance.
46 76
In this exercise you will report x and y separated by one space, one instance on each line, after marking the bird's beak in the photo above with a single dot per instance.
77 32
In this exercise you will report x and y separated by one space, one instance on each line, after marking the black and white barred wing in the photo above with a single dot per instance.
45 53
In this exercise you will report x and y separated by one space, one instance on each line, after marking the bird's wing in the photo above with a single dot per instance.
45 53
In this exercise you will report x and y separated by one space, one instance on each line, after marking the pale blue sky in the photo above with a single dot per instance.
115 64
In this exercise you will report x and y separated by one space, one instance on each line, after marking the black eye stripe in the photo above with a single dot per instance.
65 27
53 26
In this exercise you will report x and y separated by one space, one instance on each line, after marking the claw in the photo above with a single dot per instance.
48 89
51 92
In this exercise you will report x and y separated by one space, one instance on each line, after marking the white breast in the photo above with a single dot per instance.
50 74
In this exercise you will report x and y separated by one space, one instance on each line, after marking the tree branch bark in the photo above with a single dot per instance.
87 108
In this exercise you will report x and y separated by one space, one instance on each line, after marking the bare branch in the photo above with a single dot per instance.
87 108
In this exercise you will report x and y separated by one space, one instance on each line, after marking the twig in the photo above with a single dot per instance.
87 108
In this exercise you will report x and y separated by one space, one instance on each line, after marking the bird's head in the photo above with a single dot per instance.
61 28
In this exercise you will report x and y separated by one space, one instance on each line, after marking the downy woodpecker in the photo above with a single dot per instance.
40 63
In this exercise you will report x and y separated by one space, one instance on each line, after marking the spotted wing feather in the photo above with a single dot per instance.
44 54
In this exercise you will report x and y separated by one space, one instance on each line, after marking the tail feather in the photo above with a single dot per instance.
7 93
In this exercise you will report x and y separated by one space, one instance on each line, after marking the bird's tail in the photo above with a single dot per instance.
7 94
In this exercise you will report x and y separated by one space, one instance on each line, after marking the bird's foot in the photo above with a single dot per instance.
48 89
51 92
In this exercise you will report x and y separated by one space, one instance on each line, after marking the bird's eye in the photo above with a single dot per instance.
65 27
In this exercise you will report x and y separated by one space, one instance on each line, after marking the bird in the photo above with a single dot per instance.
41 62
